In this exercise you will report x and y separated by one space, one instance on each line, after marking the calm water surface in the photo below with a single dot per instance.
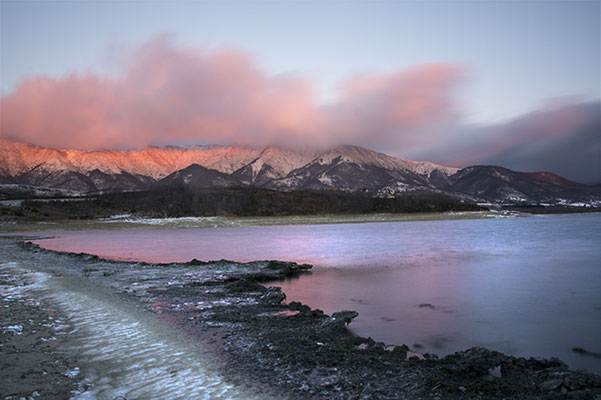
523 286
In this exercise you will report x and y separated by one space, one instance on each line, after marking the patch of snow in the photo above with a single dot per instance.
326 180
14 329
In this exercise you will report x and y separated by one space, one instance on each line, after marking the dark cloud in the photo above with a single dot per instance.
565 140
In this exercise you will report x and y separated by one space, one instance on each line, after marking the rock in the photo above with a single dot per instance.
340 319
584 352
246 285
277 265
287 268
298 306
551 384
496 371
345 316
273 295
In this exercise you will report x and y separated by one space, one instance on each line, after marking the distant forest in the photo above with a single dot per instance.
180 201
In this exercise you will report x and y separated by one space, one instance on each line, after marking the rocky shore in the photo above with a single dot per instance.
292 348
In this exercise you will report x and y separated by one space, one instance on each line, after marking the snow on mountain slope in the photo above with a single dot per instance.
339 168
157 163
343 167
273 163
363 156
352 167
19 158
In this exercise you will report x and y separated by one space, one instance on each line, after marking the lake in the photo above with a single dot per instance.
524 286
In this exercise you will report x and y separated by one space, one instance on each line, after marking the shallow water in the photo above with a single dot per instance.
523 286
123 351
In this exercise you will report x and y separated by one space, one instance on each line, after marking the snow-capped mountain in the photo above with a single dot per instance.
156 163
353 167
339 168
272 163
502 185
133 169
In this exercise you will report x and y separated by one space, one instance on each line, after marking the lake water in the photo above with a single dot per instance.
523 286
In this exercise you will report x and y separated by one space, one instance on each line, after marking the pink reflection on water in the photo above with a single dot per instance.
527 286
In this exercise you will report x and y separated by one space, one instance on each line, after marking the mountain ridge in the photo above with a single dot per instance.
347 168
19 158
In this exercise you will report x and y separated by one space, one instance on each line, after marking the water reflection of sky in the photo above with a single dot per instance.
523 286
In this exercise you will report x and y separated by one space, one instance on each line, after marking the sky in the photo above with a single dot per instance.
512 83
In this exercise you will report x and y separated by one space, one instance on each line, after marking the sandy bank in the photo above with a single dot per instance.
10 224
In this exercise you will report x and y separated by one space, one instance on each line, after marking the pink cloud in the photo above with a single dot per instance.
167 93
399 109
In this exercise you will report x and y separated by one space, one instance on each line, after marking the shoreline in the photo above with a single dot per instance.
301 350
130 222
11 225
31 336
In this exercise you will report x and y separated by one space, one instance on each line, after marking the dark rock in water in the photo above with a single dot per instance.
287 268
273 295
584 352
311 313
427 305
246 285
298 306
277 265
341 319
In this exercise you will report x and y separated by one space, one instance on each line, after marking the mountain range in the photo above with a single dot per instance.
347 168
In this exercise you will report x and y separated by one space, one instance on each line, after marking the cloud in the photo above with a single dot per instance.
166 93
398 110
564 139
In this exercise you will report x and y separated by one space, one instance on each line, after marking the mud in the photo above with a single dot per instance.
300 351
31 334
